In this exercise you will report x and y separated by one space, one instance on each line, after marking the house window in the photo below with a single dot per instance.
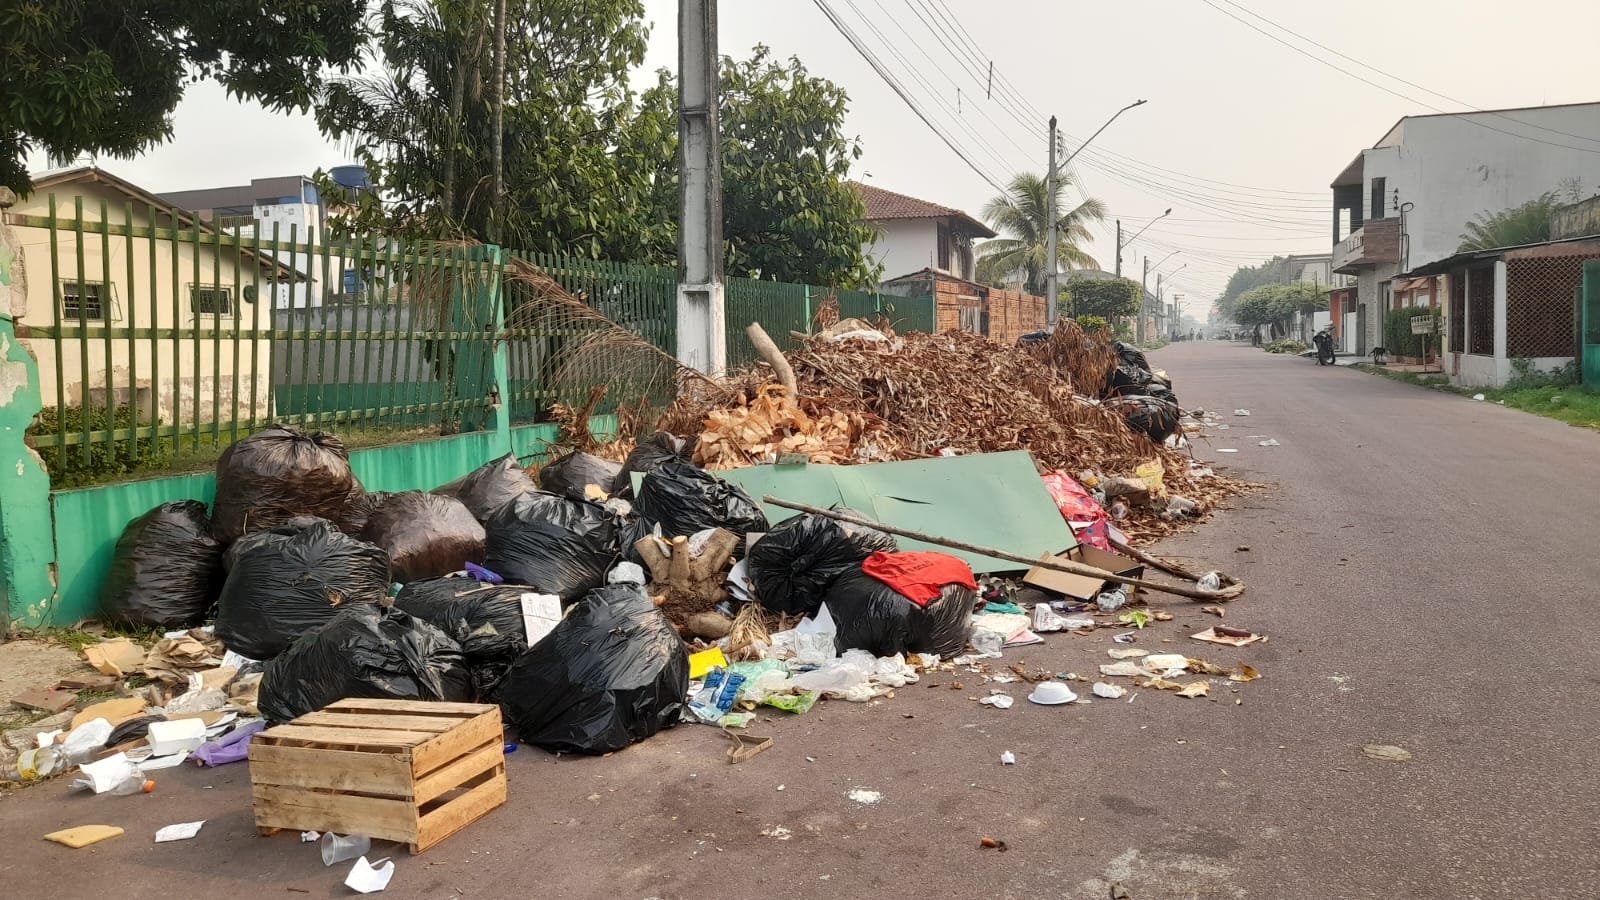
942 253
210 300
84 300
1378 206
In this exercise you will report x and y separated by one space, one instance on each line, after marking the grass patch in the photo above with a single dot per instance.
1573 404
75 639
1431 379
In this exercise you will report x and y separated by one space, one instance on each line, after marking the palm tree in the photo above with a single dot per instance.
1021 215
1525 224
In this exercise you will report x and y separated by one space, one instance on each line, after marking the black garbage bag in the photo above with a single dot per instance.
570 474
166 570
360 510
651 454
490 486
277 474
873 616
1131 355
555 545
1150 416
613 672
292 579
365 651
485 619
795 562
684 499
425 535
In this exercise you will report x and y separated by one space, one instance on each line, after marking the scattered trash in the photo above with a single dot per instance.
1210 582
370 878
998 701
777 832
1047 620
181 832
1126 653
309 837
1138 618
1270 442
1111 601
1387 752
337 848
178 736
875 617
745 746
1233 637
1195 689
1124 669
1217 611
230 749
1051 693
863 796
989 843
1007 758
793 564
115 774
704 661
1226 450
1108 691
119 657
1477 397
1241 412
1126 637
84 835
1243 672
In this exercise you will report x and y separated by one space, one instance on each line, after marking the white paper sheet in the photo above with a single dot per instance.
180 832
540 615
367 878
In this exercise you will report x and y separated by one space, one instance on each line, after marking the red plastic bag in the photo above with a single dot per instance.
1080 509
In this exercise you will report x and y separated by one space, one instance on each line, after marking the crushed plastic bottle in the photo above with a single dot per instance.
1111 601
1179 507
1210 582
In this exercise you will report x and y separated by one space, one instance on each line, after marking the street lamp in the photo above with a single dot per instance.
1123 243
1051 171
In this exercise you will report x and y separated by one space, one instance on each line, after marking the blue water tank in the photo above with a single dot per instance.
353 177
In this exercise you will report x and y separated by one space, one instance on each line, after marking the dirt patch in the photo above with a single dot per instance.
27 664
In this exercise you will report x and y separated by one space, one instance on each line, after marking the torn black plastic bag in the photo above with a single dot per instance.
166 570
651 454
365 651
795 562
278 473
425 535
292 579
685 499
571 474
872 616
490 486
485 619
553 544
613 672
1152 416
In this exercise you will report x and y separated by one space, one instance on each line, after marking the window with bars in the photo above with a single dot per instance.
82 300
1480 309
210 300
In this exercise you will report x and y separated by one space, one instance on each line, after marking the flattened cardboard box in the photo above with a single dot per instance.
1083 587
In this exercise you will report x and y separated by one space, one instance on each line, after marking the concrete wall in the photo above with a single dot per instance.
1578 220
905 245
169 374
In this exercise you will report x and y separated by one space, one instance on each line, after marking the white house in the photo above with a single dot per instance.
913 234
1405 201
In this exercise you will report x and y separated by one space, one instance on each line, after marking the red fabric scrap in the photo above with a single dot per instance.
920 576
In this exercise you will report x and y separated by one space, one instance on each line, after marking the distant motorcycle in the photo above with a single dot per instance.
1324 342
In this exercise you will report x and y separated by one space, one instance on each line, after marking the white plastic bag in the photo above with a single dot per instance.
814 639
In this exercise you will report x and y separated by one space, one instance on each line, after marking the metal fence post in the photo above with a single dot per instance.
27 538
501 363
808 307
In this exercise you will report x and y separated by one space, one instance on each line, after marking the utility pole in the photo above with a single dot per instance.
1144 282
497 200
1119 248
1051 289
702 330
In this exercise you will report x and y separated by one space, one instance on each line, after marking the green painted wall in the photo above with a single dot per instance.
25 537
89 521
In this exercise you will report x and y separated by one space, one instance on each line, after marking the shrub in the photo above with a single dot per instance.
1524 375
1286 346
66 465
1091 324
1397 336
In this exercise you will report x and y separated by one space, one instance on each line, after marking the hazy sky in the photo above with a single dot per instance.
1266 127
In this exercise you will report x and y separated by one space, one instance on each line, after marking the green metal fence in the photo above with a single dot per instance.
779 307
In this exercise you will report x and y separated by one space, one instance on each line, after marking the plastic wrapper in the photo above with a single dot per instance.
1079 508
166 570
651 454
570 474
684 499
425 535
292 579
613 672
365 651
277 474
795 562
553 544
869 615
485 619
490 486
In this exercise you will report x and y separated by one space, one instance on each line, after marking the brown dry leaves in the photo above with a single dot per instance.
773 424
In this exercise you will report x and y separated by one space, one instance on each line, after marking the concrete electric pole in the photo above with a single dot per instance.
1051 282
702 331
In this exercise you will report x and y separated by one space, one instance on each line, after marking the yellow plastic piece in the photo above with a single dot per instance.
84 835
704 661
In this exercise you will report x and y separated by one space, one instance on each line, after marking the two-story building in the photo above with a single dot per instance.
912 234
1405 201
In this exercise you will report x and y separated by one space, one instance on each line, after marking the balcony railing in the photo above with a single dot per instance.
1376 242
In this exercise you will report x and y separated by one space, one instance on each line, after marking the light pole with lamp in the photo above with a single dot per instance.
1124 243
1144 284
1159 276
1052 171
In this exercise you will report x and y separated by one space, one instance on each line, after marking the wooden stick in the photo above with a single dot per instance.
772 356
1165 565
1058 565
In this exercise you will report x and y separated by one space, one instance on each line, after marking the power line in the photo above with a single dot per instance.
889 79
1419 87
1388 90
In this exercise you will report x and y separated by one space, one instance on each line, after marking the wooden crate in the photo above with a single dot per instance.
401 770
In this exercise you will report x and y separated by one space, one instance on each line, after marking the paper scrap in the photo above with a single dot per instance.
1007 758
180 832
114 711
1125 669
1243 673
1386 752
1166 662
540 615
1211 635
156 763
370 878
862 795
119 657
1108 691
1157 683
1126 653
998 701
1195 689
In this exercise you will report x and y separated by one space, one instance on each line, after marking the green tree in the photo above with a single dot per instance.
1107 298
1021 214
1245 278
105 76
422 124
789 212
1275 305
1525 224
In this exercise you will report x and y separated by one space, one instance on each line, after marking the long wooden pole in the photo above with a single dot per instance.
1058 565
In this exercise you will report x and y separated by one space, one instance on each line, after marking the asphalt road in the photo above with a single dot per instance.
1425 569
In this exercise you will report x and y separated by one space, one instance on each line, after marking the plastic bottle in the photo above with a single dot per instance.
1210 582
1111 601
